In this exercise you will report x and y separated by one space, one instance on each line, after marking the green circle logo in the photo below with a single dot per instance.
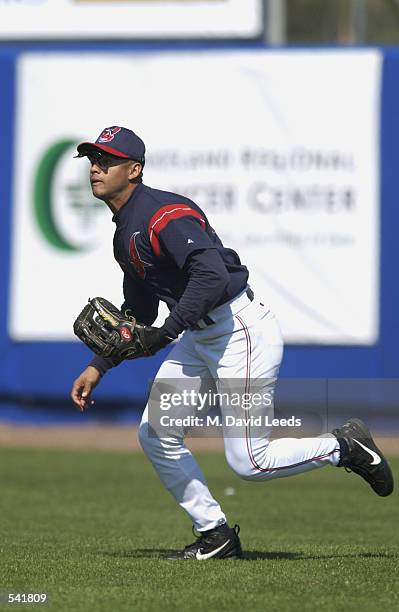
67 215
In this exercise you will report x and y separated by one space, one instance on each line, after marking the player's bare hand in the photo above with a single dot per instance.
83 386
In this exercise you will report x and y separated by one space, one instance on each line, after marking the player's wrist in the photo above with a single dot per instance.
93 370
101 364
171 327
156 338
166 335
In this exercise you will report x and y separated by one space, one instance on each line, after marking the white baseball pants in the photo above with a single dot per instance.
244 344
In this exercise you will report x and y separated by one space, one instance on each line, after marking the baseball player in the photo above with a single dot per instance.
168 251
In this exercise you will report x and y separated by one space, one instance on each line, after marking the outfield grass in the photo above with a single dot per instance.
90 530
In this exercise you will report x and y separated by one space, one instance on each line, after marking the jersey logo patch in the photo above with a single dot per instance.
109 134
135 259
189 241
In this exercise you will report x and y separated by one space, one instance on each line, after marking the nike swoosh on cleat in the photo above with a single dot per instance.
376 458
202 557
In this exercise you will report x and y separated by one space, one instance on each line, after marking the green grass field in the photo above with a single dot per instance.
90 529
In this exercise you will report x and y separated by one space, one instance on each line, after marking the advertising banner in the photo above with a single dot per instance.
111 19
279 149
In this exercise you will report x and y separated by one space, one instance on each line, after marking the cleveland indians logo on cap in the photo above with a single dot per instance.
109 134
138 264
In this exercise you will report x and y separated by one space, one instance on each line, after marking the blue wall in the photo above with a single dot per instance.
44 371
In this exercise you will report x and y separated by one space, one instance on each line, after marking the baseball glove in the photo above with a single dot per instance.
109 332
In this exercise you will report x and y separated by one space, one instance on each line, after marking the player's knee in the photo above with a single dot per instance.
145 438
154 446
240 463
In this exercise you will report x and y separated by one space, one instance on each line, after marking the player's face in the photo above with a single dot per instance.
110 176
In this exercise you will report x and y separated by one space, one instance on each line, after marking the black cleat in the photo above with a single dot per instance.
359 454
219 543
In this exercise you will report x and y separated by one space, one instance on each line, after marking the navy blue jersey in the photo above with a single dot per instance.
156 233
168 251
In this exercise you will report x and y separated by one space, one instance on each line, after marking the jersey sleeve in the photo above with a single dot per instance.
179 232
142 302
207 281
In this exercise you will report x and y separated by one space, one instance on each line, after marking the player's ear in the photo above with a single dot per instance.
134 170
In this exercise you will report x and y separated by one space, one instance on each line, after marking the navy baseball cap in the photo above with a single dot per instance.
118 141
